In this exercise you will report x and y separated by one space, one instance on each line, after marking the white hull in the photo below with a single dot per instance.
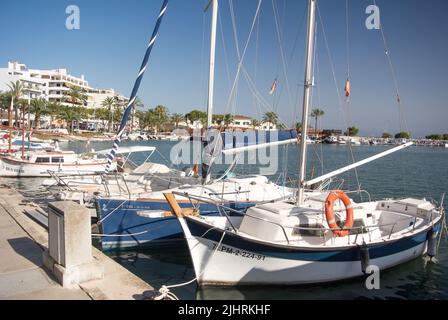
23 169
252 268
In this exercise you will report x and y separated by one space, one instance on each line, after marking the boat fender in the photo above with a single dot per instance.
364 257
432 243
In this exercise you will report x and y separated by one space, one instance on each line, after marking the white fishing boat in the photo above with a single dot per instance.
305 240
44 164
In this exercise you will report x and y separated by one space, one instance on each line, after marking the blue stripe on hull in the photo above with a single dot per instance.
322 254
125 220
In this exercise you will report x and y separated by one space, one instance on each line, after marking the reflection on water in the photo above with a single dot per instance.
417 171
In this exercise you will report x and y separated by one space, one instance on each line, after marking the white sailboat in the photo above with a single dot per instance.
304 241
135 217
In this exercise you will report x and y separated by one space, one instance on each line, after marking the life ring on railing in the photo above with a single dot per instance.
329 214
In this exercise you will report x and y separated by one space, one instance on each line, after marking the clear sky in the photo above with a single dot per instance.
110 44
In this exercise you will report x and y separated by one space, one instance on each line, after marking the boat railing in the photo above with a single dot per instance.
357 230
58 179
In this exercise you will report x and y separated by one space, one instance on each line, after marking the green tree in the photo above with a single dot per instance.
39 107
316 113
54 110
138 105
271 118
298 126
228 119
352 132
176 118
109 103
435 137
5 101
403 135
386 135
76 96
69 115
445 136
197 115
255 123
16 91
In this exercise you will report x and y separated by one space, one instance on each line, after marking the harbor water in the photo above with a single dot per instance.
414 172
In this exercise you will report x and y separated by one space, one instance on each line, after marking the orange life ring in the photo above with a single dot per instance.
329 203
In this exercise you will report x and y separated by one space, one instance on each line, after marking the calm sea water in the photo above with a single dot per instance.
416 171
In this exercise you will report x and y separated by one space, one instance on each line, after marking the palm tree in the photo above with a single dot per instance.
161 116
228 119
17 89
176 118
54 110
39 107
271 118
255 123
138 104
298 126
70 115
76 96
5 101
108 103
316 113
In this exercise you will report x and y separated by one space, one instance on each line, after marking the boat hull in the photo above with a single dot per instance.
256 263
16 168
122 226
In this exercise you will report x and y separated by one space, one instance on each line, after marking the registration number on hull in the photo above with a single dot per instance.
239 253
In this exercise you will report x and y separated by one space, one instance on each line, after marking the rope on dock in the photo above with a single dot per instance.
164 291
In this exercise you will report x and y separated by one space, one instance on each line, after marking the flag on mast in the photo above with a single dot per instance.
347 88
273 87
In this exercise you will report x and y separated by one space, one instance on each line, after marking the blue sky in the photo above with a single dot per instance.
109 47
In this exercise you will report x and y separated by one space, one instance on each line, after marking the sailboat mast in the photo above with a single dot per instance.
211 80
308 84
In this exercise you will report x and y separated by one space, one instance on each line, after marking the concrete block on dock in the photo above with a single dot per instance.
69 256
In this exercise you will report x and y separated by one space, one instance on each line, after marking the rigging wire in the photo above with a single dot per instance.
345 118
402 119
282 55
226 58
232 95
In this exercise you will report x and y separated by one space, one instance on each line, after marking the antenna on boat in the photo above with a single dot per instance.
307 95
211 80
124 120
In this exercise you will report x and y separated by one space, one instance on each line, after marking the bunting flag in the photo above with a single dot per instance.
124 120
273 87
347 88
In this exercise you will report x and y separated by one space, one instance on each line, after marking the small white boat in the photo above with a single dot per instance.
44 164
284 244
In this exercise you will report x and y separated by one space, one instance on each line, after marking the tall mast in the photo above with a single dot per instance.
211 80
307 95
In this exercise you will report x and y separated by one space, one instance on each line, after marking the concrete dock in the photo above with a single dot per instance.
22 272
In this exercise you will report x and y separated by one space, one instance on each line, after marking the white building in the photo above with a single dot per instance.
33 87
53 85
